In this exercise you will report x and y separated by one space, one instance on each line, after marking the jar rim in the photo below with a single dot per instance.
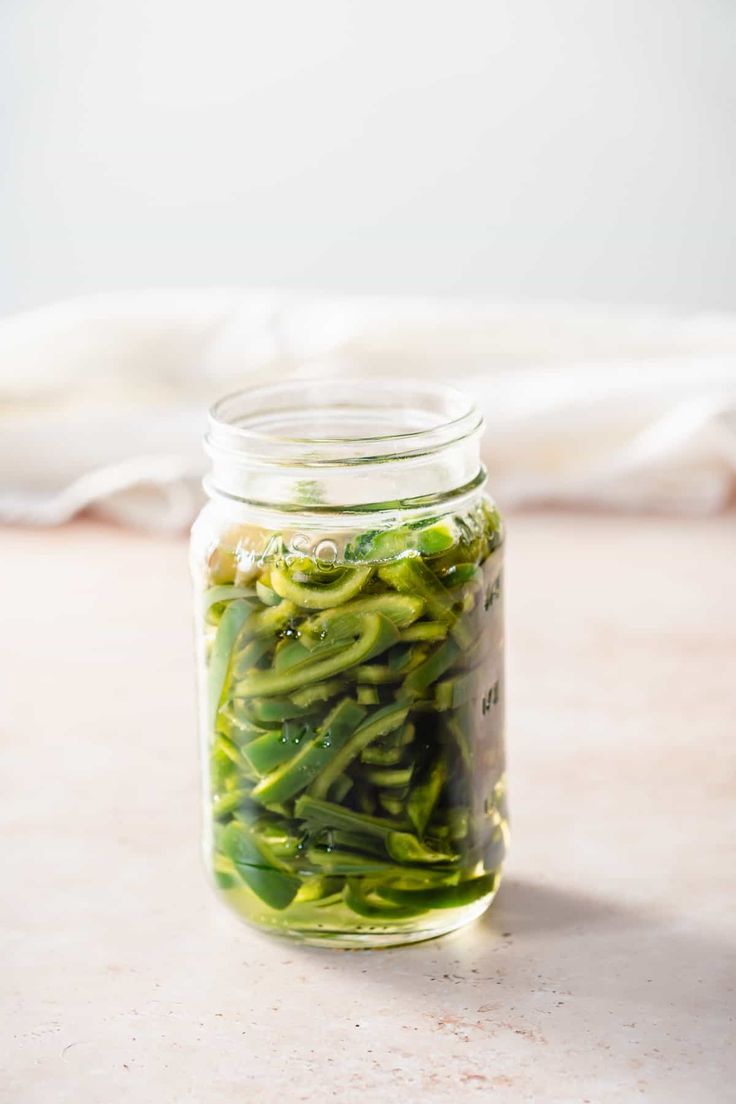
413 418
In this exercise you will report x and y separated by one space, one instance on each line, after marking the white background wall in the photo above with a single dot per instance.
555 149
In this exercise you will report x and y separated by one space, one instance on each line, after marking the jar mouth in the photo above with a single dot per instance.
316 422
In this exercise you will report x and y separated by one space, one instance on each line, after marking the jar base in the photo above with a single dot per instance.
375 937
376 941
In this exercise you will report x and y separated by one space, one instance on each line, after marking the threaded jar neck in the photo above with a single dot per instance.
331 446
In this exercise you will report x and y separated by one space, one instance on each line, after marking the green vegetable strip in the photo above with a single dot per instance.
381 756
269 751
461 574
364 905
378 724
412 576
268 621
267 711
313 758
266 594
251 654
452 693
441 897
323 596
389 777
340 788
429 671
320 692
287 653
335 861
352 716
325 814
229 802
404 847
232 622
425 795
215 594
400 609
375 674
274 887
424 630
376 635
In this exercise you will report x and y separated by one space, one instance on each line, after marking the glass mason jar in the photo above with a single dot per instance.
349 596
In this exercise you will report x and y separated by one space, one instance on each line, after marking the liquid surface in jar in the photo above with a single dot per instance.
354 729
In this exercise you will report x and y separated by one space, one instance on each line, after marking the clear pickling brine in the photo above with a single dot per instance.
348 574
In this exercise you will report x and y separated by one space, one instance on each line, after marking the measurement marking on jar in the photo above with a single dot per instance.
492 594
490 698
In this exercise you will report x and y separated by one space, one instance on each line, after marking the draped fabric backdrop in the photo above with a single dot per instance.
103 400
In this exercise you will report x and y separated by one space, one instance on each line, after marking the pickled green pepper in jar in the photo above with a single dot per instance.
348 572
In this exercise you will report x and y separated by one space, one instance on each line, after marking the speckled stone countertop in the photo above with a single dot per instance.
605 970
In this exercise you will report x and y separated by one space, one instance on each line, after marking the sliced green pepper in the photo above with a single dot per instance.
276 747
319 597
346 707
400 609
378 724
423 631
320 692
377 634
441 897
379 756
454 692
276 888
404 847
364 904
389 778
376 674
267 711
231 624
268 596
325 814
425 795
250 655
428 672
225 593
313 757
412 576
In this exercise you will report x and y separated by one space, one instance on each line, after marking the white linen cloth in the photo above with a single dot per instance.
103 400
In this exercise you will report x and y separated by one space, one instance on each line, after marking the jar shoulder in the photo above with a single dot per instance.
228 545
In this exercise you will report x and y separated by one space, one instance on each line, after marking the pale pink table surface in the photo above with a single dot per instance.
604 972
